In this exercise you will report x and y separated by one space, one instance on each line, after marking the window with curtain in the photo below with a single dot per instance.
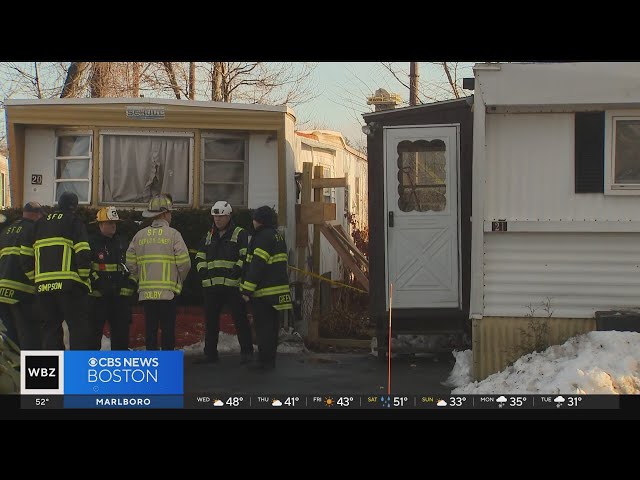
136 167
73 166
224 169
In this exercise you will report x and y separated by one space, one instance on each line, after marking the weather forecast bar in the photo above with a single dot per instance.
337 401
435 402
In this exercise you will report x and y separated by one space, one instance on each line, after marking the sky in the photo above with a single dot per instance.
344 86
340 91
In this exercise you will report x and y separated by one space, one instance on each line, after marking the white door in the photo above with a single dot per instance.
422 216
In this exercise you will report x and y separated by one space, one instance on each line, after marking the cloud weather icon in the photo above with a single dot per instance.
559 399
501 399
218 403
441 403
276 403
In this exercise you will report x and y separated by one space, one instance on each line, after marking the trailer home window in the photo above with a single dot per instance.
625 153
422 176
136 166
73 166
224 169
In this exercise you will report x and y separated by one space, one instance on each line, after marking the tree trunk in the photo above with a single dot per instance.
135 84
216 82
192 80
98 84
72 82
168 66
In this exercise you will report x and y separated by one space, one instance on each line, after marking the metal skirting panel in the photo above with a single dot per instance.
495 339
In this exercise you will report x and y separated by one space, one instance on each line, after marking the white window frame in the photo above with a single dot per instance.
73 133
235 136
610 187
146 133
4 189
328 171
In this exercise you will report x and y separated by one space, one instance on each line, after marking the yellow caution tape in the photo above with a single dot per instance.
325 279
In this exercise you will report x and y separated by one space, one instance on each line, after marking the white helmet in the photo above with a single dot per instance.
221 208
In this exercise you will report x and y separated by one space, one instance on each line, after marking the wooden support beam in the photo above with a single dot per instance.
345 255
317 197
329 182
315 213
349 243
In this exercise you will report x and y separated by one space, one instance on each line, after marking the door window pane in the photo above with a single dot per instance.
422 176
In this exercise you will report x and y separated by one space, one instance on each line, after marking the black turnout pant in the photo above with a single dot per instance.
28 323
160 313
267 323
71 306
215 298
117 311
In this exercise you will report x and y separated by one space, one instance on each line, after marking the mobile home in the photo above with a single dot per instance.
555 209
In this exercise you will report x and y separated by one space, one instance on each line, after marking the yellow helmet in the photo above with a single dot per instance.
158 205
107 214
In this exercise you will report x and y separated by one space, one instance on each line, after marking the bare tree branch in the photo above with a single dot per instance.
452 84
168 66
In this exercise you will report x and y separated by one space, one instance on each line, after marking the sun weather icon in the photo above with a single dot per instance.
385 401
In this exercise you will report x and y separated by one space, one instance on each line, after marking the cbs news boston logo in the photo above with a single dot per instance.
102 372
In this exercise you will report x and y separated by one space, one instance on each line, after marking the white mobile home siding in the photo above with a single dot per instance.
557 244
580 273
40 150
530 173
290 185
263 171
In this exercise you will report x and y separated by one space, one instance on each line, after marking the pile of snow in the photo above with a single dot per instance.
462 370
595 362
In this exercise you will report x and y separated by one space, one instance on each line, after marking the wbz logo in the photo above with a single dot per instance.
42 372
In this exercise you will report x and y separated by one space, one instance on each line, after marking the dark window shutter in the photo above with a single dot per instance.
589 152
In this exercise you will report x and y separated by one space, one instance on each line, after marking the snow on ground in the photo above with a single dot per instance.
595 362
288 342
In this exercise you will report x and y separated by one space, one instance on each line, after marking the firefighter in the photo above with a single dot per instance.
220 259
16 287
62 262
265 283
111 284
158 257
